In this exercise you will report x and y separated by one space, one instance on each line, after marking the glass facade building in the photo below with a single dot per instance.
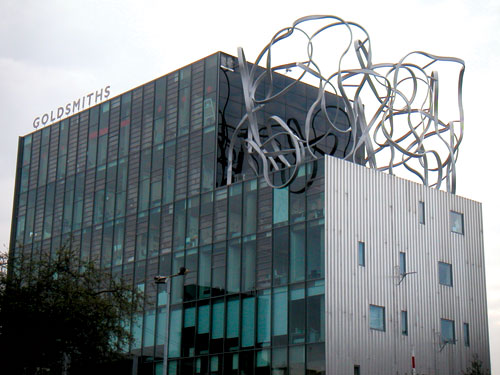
138 184
335 273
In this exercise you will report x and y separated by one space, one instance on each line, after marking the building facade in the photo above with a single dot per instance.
314 278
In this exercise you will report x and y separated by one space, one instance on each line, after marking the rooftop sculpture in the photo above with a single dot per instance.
401 131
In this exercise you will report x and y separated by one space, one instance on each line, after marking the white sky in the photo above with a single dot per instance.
54 51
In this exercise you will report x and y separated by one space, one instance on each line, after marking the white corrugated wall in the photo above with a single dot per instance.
381 210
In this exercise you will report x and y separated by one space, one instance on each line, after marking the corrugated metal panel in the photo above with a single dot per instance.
382 210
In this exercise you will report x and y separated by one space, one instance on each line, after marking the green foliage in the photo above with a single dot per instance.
476 367
58 312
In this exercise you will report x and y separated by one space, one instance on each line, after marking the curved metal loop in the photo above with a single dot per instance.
402 131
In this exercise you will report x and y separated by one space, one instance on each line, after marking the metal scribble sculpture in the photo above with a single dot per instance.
403 131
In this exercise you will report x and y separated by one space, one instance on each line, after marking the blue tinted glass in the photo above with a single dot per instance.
421 212
264 317
377 317
457 222
263 358
233 322
218 320
280 311
149 328
174 342
404 323
233 266
137 332
448 331
361 253
203 319
247 322
466 334
189 315
402 263
445 276
280 205
297 253
160 326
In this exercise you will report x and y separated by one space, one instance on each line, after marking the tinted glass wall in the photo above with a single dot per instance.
133 184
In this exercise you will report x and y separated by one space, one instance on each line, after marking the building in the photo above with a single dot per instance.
345 270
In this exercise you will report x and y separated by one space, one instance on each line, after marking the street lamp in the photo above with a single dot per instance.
166 280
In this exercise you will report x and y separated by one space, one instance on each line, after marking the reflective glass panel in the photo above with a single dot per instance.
377 317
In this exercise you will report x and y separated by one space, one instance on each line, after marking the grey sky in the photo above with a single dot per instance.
54 51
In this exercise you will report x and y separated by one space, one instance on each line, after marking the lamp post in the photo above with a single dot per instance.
166 280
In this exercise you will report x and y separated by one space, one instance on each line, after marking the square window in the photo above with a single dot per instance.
466 335
361 253
377 318
457 222
421 212
448 331
404 323
402 263
445 275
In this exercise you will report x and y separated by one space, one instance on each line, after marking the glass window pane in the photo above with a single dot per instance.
279 365
421 212
172 367
297 360
315 204
361 253
184 110
233 266
298 198
263 362
297 314
250 207
207 172
248 264
457 222
466 334
179 225
174 342
248 322
233 321
402 263
316 311
246 362
189 317
445 274
264 317
156 193
404 323
234 208
218 319
447 331
137 331
205 271
377 317
280 256
316 359
297 253
168 179
203 319
160 326
192 222
315 249
280 205
280 316
149 328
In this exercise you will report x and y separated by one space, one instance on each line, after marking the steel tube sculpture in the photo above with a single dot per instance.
403 131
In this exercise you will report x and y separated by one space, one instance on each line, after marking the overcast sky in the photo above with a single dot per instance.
54 51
